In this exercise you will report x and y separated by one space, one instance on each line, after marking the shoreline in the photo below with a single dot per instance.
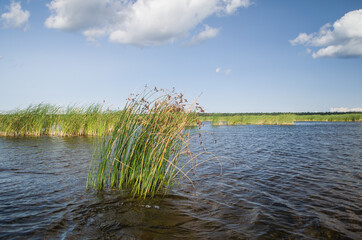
48 120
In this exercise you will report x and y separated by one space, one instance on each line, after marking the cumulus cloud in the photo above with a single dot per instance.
16 17
345 109
94 34
79 14
141 22
218 70
204 35
342 39
228 71
233 5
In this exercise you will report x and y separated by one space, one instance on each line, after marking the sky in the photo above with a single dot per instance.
233 55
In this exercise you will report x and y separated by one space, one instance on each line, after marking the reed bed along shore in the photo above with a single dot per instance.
142 153
218 119
95 120
51 120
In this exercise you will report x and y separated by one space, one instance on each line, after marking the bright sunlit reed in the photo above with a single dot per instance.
142 153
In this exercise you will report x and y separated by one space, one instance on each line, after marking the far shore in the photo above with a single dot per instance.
48 120
217 119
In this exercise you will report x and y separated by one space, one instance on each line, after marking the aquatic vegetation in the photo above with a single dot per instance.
51 120
93 120
218 119
143 151
343 117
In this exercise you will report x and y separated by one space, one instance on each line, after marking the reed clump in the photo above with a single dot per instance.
343 117
218 119
244 119
52 120
142 153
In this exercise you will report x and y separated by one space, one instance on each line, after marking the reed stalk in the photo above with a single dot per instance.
51 120
142 153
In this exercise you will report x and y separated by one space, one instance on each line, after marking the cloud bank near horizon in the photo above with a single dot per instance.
343 39
345 109
142 22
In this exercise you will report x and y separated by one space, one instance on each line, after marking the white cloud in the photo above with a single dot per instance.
204 35
1 57
16 17
142 22
228 71
301 39
79 14
342 39
94 34
345 109
218 70
233 5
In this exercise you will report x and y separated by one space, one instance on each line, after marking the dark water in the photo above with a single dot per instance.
278 182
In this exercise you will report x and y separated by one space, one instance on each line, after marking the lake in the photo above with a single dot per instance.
284 182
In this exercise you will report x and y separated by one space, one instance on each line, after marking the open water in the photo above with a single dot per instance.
277 182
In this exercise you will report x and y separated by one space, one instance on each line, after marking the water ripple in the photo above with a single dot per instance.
278 182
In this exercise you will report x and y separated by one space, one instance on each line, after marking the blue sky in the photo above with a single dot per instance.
239 55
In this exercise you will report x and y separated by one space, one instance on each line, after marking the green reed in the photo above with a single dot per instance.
93 120
345 117
142 153
276 118
51 120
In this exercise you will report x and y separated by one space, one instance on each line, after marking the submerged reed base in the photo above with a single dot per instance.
142 154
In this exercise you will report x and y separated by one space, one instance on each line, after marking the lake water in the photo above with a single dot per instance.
282 182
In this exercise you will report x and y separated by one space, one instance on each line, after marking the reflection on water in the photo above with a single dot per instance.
297 182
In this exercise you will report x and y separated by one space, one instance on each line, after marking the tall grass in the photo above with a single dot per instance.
143 151
93 120
276 119
345 117
51 120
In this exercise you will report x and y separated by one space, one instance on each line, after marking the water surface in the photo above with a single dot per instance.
290 182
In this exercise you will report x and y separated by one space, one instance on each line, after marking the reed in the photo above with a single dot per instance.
142 153
51 120
345 117
217 119
243 119
93 120
31 121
